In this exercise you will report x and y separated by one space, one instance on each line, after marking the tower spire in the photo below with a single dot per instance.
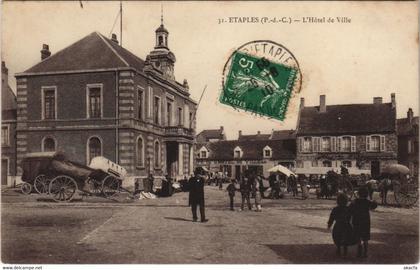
161 14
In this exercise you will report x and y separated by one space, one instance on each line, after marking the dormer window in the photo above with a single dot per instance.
237 152
267 152
203 153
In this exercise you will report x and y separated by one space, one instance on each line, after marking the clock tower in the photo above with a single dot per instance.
161 57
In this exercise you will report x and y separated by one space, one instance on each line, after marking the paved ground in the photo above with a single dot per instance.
36 230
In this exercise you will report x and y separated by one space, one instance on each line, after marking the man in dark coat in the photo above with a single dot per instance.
196 196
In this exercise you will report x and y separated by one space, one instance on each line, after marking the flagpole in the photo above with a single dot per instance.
121 15
195 113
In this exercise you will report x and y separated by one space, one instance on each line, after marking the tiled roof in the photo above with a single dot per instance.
404 127
254 137
252 150
283 134
347 119
91 52
207 134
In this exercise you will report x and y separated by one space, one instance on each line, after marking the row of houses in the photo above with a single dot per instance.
365 138
96 98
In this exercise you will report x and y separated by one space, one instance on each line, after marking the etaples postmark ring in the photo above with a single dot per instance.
261 76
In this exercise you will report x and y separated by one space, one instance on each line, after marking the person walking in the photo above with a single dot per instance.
196 195
231 189
293 185
245 189
261 185
303 185
256 193
342 230
359 210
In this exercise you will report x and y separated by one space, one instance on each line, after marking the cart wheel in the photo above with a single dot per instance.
41 184
26 188
62 188
406 195
110 186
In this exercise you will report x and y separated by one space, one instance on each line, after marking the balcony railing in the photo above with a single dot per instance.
179 131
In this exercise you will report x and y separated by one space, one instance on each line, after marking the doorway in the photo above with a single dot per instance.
172 159
375 169
4 171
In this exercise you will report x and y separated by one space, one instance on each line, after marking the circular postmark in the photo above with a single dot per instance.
261 76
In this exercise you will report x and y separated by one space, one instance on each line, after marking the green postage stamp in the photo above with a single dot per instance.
261 77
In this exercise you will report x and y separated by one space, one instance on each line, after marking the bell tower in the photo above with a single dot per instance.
161 57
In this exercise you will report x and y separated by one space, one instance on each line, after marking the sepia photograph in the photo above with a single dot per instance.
173 133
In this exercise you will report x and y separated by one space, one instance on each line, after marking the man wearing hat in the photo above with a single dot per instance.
196 195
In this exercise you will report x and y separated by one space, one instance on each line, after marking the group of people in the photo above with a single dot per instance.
249 186
352 223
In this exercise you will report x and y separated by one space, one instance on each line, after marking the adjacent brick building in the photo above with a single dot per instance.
408 142
96 98
362 137
258 153
8 130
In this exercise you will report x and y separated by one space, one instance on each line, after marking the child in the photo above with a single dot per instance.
231 191
342 229
359 210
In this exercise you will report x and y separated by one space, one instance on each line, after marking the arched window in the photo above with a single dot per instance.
48 145
94 148
160 40
140 152
157 154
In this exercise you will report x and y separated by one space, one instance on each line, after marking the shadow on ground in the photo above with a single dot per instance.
393 248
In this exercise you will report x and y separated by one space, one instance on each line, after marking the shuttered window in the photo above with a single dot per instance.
353 143
382 143
375 143
307 144
333 144
338 144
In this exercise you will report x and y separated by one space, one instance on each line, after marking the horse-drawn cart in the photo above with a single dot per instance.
52 173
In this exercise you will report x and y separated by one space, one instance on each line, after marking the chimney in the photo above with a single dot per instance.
45 52
302 103
258 132
114 38
377 100
221 129
322 106
239 133
394 104
410 115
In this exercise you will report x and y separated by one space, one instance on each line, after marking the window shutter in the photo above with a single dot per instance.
299 144
338 144
333 144
382 143
313 148
318 144
353 143
367 143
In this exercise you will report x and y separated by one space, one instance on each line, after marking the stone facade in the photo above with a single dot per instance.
361 137
134 128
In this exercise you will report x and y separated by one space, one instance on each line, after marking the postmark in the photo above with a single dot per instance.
261 77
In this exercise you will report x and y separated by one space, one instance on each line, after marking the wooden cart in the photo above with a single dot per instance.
52 173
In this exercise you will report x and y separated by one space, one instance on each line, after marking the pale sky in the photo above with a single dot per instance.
374 55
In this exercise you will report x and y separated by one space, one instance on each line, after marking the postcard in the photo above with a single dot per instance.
188 132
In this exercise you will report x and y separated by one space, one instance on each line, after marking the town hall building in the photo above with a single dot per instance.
96 98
